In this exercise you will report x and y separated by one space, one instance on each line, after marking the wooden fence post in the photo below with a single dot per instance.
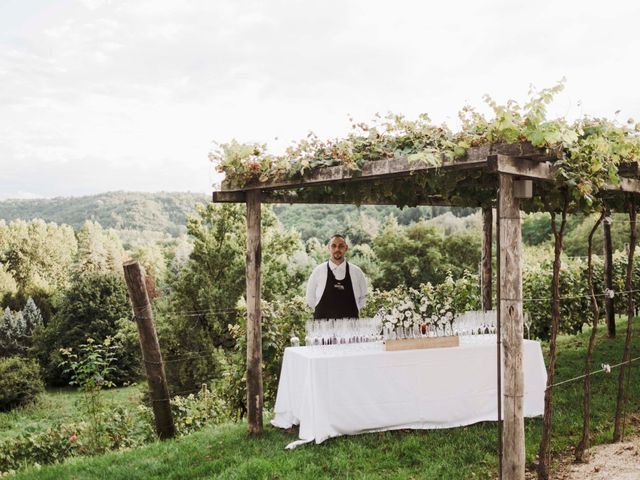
151 355
254 328
513 463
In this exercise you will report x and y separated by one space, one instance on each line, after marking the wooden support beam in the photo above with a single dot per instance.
524 168
521 160
629 169
513 464
254 320
271 197
630 185
398 167
487 238
521 167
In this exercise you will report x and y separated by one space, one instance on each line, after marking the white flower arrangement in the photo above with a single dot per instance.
418 313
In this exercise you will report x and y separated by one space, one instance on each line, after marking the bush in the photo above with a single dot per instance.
123 428
281 319
20 382
51 446
194 412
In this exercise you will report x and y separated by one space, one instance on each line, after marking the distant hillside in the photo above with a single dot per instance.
160 212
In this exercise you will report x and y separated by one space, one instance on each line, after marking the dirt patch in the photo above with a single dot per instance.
615 461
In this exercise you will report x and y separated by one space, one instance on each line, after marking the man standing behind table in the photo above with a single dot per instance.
336 288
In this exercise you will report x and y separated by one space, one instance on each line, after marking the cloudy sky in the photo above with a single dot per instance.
100 95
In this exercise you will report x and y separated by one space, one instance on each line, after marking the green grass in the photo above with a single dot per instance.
57 406
227 452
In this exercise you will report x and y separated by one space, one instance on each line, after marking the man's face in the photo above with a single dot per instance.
337 248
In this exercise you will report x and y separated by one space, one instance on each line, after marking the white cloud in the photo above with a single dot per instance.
102 95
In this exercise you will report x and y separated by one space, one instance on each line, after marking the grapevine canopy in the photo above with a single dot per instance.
414 162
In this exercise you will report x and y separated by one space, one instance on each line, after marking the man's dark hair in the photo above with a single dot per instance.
337 235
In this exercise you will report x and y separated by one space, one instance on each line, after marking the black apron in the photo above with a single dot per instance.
338 299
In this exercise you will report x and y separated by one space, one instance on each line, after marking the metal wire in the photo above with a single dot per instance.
607 368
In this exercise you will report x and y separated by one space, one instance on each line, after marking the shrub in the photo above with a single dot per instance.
51 446
193 412
281 319
20 382
123 428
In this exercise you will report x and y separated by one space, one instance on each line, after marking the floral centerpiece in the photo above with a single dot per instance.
402 316
430 311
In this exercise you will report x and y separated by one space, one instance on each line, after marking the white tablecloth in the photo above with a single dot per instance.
349 389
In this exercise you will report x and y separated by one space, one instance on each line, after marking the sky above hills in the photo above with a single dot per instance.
99 95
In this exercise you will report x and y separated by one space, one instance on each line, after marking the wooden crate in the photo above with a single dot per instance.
422 342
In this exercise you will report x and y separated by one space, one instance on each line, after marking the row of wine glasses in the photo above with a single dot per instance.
340 331
476 322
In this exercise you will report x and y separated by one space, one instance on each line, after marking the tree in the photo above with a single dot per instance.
38 255
7 341
93 306
408 255
13 331
98 251
206 293
420 253
151 258
32 316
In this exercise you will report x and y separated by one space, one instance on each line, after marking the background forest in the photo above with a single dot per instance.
61 279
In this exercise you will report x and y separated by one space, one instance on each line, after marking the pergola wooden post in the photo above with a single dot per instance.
511 323
487 237
254 321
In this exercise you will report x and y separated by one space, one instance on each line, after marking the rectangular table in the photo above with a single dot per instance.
349 389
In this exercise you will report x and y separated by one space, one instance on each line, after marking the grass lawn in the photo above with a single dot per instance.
57 406
226 452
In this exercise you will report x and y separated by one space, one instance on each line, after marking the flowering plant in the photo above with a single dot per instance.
402 314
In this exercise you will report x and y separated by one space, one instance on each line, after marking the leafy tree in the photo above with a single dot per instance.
361 228
92 307
8 284
575 243
420 253
462 252
206 292
536 229
408 256
153 261
38 255
99 251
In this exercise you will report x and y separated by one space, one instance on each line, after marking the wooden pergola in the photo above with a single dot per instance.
509 173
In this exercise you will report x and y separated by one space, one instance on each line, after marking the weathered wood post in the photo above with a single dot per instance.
510 290
487 234
254 328
608 274
151 355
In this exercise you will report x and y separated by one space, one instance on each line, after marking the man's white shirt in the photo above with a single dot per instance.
318 280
